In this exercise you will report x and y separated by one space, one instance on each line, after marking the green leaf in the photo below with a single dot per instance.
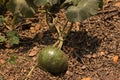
1 20
22 8
83 10
2 38
12 59
45 2
14 40
11 34
73 2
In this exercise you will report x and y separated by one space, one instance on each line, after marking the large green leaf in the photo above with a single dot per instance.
22 8
83 10
45 2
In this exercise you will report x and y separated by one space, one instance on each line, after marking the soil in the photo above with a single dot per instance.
93 48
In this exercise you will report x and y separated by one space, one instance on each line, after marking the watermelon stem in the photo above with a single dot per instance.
61 33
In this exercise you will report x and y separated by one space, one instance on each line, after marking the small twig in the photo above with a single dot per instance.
30 72
7 26
58 30
107 11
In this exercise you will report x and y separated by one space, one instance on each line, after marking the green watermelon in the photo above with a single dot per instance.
53 60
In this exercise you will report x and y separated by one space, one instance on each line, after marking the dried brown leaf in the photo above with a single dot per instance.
115 59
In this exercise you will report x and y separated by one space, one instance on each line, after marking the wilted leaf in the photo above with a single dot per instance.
115 59
22 8
83 10
2 61
2 38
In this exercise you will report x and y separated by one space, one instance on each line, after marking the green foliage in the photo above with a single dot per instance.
1 20
2 39
51 59
12 59
72 2
82 9
76 11
13 38
45 2
24 8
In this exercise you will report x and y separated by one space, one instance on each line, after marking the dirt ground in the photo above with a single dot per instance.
93 48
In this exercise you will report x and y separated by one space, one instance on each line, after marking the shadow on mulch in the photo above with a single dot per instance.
28 43
82 43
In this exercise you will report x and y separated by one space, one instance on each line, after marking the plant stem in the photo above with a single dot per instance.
56 43
13 21
62 35
47 19
60 42
58 31
30 72
60 39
